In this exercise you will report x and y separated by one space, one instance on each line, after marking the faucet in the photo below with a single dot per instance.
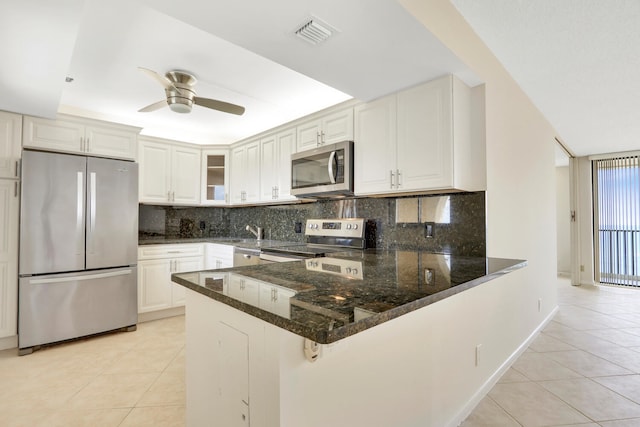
258 232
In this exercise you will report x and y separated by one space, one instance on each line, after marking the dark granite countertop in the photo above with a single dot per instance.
345 293
232 241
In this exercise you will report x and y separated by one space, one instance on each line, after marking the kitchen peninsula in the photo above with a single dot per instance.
297 344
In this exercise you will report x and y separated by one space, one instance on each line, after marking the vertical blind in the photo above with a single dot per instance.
617 220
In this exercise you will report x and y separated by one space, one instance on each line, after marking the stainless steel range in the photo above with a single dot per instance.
324 236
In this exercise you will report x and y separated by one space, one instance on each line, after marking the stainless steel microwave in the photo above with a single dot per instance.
324 171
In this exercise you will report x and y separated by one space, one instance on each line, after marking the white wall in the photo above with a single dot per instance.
521 212
563 217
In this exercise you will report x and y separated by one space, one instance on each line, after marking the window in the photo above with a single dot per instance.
617 220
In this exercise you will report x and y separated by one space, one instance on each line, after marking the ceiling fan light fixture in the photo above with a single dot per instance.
180 108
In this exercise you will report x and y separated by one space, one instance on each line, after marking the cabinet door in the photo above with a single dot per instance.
425 127
337 127
286 146
10 134
8 258
111 141
182 265
252 172
269 168
185 175
215 177
244 289
375 145
308 135
238 166
154 170
54 135
154 285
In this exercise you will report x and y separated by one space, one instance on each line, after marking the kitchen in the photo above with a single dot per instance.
507 185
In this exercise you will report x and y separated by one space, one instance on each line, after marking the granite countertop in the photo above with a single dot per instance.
345 293
232 241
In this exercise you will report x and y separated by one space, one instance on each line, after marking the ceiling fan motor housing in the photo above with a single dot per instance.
182 101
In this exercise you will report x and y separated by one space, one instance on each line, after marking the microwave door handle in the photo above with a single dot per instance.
332 159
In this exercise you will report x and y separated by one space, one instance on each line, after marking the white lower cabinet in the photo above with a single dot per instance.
156 263
9 207
217 256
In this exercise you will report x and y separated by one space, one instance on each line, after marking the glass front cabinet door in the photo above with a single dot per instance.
215 177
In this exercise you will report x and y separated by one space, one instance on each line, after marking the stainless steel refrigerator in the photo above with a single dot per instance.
78 247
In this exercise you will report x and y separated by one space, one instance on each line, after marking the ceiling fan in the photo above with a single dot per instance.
178 86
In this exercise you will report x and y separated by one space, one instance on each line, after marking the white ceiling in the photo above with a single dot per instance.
243 52
578 60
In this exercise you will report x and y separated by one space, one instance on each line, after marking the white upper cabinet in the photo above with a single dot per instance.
77 135
215 177
327 129
245 173
169 173
375 146
10 134
417 140
275 165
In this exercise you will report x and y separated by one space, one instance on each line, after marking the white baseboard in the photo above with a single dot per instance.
160 314
493 379
9 342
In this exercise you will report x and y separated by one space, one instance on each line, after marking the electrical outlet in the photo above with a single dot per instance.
478 347
539 305
298 227
203 225
582 268
429 229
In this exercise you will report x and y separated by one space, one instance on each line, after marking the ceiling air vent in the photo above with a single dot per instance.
314 31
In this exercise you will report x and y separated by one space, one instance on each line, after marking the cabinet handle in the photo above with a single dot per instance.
17 168
277 192
168 196
173 196
391 179
398 175
15 189
322 138
86 144
81 144
317 139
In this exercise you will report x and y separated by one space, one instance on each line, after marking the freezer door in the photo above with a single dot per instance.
64 306
112 213
52 213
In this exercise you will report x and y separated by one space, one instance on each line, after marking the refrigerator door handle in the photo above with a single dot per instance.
80 203
92 210
79 278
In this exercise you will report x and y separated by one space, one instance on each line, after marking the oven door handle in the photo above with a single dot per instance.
279 258
332 173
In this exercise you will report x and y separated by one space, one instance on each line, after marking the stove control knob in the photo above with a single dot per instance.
355 271
355 226
348 226
310 225
348 270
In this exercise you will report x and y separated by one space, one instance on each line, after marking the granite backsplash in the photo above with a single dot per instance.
461 232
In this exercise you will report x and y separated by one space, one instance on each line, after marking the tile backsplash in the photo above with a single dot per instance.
463 232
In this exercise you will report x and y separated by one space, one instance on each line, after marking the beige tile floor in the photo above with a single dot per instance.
582 370
124 379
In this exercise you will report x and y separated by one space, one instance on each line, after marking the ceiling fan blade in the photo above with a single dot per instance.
219 105
153 107
165 82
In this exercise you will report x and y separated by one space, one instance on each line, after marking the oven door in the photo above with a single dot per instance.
323 171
